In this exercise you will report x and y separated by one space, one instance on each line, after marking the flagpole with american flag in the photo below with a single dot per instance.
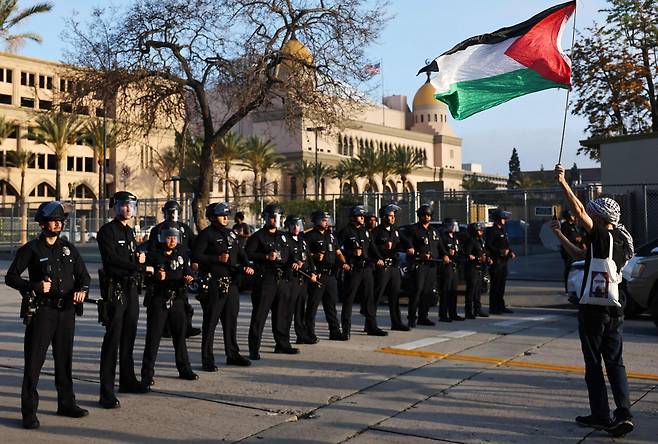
375 69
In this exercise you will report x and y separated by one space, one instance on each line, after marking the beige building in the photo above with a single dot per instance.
28 86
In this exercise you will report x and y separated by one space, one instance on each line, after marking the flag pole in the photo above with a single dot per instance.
381 79
566 104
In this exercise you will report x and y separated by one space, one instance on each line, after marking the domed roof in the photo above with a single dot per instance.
296 49
425 96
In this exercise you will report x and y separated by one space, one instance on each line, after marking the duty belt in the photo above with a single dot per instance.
224 284
59 303
390 262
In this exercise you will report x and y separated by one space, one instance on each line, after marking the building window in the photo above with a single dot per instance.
421 118
452 154
41 161
27 79
27 102
435 118
100 112
70 163
6 75
66 108
5 99
43 190
51 162
31 133
351 147
79 164
89 164
45 104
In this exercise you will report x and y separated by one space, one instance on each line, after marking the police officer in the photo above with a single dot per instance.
327 257
299 259
423 244
384 250
574 235
58 279
269 249
220 262
449 273
476 262
355 245
498 249
121 279
171 211
167 303
371 222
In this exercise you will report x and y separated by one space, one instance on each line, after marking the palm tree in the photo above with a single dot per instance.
405 161
57 130
21 159
94 136
385 166
323 171
303 170
259 157
10 17
367 163
346 171
230 149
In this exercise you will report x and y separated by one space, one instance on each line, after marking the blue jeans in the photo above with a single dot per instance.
601 340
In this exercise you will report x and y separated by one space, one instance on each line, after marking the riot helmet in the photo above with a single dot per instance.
124 204
171 210
294 224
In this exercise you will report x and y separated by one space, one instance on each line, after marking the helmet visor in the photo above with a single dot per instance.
169 235
296 226
125 209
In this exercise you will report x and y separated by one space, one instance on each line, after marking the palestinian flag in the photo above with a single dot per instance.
489 69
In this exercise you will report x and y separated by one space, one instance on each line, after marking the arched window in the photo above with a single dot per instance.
421 118
43 190
82 191
351 147
435 117
340 144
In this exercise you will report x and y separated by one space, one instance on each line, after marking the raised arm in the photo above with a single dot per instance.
575 204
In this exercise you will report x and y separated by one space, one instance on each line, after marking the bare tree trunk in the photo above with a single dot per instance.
651 89
204 184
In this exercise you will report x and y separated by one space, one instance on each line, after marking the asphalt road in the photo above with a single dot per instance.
513 378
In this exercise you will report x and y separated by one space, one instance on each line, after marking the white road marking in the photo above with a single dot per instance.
443 337
421 343
522 320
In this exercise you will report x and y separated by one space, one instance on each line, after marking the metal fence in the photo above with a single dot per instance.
531 210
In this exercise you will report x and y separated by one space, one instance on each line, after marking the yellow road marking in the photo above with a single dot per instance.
505 362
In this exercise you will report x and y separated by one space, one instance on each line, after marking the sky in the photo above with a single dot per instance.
420 30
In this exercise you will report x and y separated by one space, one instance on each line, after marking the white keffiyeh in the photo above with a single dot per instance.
610 211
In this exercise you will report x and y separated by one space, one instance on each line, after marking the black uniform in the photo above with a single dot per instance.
575 236
221 300
167 305
474 268
359 277
496 243
298 286
449 278
385 246
54 321
423 241
186 243
122 271
272 289
328 292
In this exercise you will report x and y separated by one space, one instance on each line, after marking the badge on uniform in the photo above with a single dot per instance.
283 238
173 264
66 251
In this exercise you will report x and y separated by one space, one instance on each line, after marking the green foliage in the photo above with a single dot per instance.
615 69
514 169
474 182
11 17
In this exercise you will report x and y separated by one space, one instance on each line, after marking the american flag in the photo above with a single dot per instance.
373 69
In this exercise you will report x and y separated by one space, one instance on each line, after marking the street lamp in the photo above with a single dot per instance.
316 130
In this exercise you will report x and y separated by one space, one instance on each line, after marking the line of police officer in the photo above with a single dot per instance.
295 272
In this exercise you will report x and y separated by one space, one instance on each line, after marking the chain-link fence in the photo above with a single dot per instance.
531 210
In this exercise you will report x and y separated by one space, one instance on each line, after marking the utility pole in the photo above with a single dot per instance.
316 130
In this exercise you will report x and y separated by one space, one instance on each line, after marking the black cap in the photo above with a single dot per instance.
50 211
357 210
122 196
501 214
566 214
390 208
318 215
217 209
171 205
291 220
271 210
474 227
424 210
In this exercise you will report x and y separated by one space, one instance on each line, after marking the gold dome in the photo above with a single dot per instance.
297 50
425 96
